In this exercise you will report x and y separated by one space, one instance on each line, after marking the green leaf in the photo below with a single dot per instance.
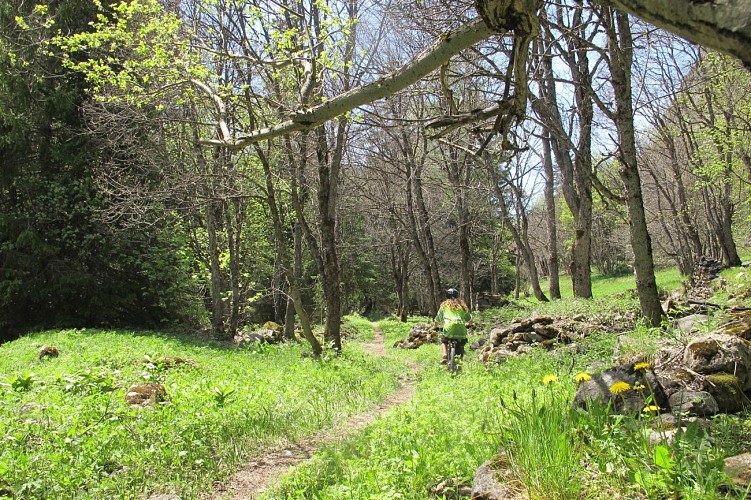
663 459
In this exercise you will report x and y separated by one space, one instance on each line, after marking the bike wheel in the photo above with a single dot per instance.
451 364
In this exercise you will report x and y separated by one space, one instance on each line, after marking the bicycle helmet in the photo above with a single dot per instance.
452 293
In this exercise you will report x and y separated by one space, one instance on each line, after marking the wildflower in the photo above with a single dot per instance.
651 409
620 387
582 377
642 366
549 379
638 386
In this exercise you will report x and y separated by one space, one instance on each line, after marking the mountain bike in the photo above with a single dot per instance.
452 365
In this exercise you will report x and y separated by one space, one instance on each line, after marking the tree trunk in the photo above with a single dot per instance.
551 219
283 253
459 172
620 48
419 223
234 216
289 315
328 183
519 234
215 271
576 172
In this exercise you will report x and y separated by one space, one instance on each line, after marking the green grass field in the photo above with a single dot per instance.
603 286
67 432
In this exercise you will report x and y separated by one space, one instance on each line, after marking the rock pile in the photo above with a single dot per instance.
419 334
705 270
709 267
146 394
710 374
488 301
270 333
525 334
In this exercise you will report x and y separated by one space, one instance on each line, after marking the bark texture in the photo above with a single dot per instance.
718 24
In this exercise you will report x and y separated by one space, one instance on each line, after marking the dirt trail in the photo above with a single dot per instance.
262 471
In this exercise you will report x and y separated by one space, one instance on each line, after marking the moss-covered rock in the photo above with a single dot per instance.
718 353
272 325
738 326
727 391
625 389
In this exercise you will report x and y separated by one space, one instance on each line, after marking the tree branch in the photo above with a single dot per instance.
425 62
721 25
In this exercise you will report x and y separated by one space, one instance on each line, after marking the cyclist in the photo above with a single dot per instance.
452 316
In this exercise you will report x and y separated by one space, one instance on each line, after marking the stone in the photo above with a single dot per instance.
662 436
738 326
498 334
419 334
272 325
716 353
524 349
489 484
643 389
48 351
478 344
547 331
674 379
690 323
532 337
690 402
739 469
146 394
727 391
451 488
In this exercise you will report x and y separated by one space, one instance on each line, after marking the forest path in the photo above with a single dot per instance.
262 471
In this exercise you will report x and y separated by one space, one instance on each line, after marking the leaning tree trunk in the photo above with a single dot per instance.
518 231
283 252
620 47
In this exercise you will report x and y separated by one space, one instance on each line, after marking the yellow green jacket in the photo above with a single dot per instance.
453 321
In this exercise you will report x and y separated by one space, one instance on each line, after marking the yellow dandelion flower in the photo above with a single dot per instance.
620 387
651 409
582 377
642 366
549 379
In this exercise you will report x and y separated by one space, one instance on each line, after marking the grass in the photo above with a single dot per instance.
81 440
507 412
604 286
67 432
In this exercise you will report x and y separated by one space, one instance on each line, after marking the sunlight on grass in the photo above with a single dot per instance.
602 286
68 428
68 433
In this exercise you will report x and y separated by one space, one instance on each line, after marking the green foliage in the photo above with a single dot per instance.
441 433
605 286
62 264
77 434
21 381
537 431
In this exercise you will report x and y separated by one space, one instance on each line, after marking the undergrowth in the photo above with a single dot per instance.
68 433
519 415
